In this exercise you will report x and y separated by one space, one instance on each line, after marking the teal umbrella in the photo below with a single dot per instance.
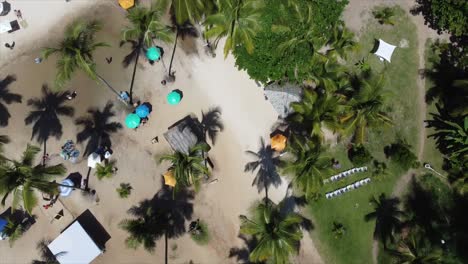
132 121
153 54
173 98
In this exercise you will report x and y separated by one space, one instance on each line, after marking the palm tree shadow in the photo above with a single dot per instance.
7 97
46 256
211 123
188 33
97 128
134 52
241 254
266 166
291 204
45 115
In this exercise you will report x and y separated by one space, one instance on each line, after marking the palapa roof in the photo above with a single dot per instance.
184 134
281 96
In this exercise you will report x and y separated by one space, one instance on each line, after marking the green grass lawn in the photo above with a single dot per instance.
350 208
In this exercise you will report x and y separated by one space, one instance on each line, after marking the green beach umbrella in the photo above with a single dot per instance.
173 98
153 54
132 121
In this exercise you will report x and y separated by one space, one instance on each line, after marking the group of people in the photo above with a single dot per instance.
347 188
345 174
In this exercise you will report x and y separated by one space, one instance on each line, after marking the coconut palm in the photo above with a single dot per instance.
3 140
13 230
187 168
97 128
365 109
451 134
45 115
387 217
238 20
124 190
314 112
338 230
183 30
21 178
341 41
105 171
145 25
278 233
308 165
159 217
416 249
265 165
7 97
384 15
76 52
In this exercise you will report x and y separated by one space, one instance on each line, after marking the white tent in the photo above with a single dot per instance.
5 27
93 160
74 245
385 50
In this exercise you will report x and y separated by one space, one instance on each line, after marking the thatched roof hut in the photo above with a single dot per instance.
184 134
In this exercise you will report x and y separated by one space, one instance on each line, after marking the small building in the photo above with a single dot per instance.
81 242
281 96
184 134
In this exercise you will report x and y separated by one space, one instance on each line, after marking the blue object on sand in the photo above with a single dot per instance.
142 110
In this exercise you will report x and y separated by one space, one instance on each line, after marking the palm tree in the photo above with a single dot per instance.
416 249
211 123
338 230
76 52
97 128
13 230
47 257
386 215
278 233
266 163
384 15
3 140
238 20
451 134
7 97
124 190
308 166
105 171
145 25
20 178
341 41
365 110
315 111
46 115
162 216
188 168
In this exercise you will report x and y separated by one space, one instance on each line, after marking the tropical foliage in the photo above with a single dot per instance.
384 15
187 168
359 155
278 232
105 171
400 153
308 166
13 230
416 250
338 230
124 190
20 178
7 97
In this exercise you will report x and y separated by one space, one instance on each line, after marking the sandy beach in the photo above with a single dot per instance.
205 82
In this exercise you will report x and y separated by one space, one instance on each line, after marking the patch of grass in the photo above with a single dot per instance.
350 208
201 236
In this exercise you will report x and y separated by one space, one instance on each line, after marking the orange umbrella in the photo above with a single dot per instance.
278 142
126 4
169 179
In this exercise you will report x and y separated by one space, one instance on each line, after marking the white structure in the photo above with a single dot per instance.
5 27
66 191
385 51
93 160
74 246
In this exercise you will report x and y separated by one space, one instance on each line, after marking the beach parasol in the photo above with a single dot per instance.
66 191
278 142
5 8
153 54
126 4
93 160
169 178
142 110
173 98
132 121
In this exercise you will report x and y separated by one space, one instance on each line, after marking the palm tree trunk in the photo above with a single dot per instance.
107 84
140 41
266 193
173 53
87 179
165 246
45 152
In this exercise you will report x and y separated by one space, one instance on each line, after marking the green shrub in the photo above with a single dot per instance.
359 155
200 233
124 190
400 153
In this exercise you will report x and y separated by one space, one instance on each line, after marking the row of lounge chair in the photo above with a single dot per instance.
347 188
345 174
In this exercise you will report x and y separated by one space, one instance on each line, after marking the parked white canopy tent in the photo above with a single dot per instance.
93 160
385 50
5 26
74 246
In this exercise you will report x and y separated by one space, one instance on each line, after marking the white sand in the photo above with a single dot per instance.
205 82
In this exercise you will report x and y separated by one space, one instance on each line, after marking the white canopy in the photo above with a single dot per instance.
385 50
74 246
93 160
5 26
